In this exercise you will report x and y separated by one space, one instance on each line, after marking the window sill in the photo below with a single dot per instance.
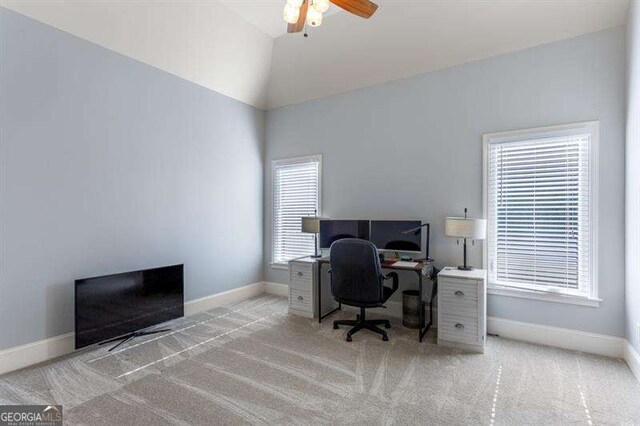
546 296
284 266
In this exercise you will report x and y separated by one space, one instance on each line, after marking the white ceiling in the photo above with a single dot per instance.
409 37
240 48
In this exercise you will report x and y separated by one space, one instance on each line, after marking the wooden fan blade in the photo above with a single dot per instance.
363 8
299 26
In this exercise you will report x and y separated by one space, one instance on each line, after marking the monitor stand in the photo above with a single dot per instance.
131 336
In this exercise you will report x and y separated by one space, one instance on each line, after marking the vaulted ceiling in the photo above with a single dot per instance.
406 38
240 48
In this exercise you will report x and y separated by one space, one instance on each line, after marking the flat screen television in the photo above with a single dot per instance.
115 305
391 235
334 230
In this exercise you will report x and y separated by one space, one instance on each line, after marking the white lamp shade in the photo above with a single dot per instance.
321 5
314 18
291 14
460 227
311 225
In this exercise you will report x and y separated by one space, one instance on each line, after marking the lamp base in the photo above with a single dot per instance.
465 268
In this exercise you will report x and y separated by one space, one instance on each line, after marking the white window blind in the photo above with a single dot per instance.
296 193
539 207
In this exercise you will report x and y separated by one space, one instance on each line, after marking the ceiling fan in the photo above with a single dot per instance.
299 12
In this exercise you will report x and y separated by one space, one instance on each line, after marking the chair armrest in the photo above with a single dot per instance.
392 276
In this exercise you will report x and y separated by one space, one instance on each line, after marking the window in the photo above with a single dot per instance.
296 193
540 205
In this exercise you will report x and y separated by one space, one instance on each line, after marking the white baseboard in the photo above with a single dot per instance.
276 289
632 358
44 350
599 344
206 303
36 352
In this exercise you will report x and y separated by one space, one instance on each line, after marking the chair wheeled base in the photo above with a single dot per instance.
362 323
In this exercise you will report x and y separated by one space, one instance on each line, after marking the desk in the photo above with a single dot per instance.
389 265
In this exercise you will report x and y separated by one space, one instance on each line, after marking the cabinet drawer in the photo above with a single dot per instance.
459 298
300 273
301 300
460 292
451 286
455 328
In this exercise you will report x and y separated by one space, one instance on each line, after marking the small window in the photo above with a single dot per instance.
540 202
296 193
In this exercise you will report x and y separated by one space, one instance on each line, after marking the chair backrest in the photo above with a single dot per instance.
356 272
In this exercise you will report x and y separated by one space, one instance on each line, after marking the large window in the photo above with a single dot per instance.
540 204
296 193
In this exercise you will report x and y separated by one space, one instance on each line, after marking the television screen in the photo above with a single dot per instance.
390 235
334 230
114 305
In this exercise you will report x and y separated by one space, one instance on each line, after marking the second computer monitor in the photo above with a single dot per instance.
334 230
392 235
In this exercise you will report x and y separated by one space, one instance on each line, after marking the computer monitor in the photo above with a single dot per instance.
391 235
334 230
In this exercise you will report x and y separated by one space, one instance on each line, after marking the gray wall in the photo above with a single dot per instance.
633 178
412 149
111 165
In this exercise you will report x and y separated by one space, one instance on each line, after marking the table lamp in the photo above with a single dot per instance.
311 225
463 227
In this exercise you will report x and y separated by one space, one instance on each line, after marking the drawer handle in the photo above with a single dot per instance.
460 326
300 274
459 293
300 298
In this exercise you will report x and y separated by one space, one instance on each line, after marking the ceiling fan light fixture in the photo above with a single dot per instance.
309 12
321 5
295 3
291 14
314 18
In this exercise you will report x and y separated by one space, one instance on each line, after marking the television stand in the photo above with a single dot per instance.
131 336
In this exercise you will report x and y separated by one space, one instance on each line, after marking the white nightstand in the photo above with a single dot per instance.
462 307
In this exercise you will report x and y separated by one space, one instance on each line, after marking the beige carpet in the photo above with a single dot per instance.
251 362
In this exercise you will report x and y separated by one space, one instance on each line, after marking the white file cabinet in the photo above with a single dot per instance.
303 286
462 307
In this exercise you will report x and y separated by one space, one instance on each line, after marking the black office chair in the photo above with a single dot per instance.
357 280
